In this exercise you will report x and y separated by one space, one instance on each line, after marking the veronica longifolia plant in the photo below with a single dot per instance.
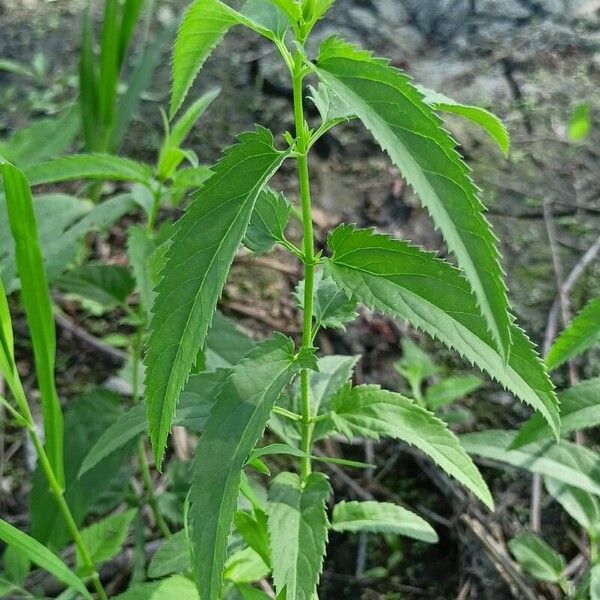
283 384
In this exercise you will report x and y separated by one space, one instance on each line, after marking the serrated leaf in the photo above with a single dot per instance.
172 557
406 282
537 558
35 296
582 333
41 556
236 422
89 166
371 412
331 107
197 263
268 223
488 121
108 285
579 409
451 389
407 128
203 26
381 517
567 462
332 308
298 532
254 530
581 505
105 538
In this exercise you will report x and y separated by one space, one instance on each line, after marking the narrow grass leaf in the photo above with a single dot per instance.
406 282
197 263
381 517
236 422
36 300
407 128
298 532
41 556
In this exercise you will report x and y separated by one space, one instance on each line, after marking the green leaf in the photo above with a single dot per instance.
404 281
131 12
239 415
141 591
42 139
7 356
371 412
184 124
109 63
41 556
105 538
245 566
254 530
225 344
38 307
176 587
381 517
582 333
579 409
567 462
488 121
407 128
140 247
580 123
537 558
332 308
172 557
268 223
451 389
415 366
298 532
595 583
108 285
330 106
16 564
581 506
88 84
197 263
89 166
203 26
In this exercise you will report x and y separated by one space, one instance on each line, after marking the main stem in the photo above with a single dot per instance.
302 143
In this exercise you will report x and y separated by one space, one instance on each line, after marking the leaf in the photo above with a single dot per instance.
108 285
579 409
332 308
405 126
595 583
488 121
36 300
16 564
253 528
404 281
197 262
564 461
172 557
245 566
140 247
582 333
236 422
268 223
88 84
203 26
451 389
109 63
43 139
41 556
381 517
89 166
537 558
105 538
371 412
7 355
580 123
415 366
176 587
581 506
298 532
330 106
225 344
141 591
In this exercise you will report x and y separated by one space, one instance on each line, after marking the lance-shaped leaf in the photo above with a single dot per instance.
409 130
41 556
268 223
579 409
371 412
89 166
564 461
197 263
236 422
488 121
203 27
581 334
581 505
381 517
298 533
38 306
7 356
406 282
537 558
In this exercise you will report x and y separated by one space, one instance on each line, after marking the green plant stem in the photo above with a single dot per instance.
302 141
57 490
